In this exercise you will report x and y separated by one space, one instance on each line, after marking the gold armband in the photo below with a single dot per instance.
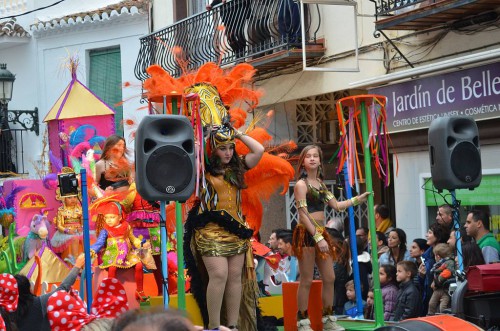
329 196
318 237
355 201
301 203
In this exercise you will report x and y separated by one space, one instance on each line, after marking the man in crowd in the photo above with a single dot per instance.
445 215
288 265
477 226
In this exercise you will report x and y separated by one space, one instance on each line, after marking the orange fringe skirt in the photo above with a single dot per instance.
302 238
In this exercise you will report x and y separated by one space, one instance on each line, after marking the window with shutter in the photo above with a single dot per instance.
105 80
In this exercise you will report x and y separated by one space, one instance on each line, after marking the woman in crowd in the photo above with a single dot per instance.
114 171
216 234
397 248
417 248
437 234
472 254
311 243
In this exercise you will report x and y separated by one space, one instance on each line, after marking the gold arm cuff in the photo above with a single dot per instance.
355 201
318 237
329 196
301 203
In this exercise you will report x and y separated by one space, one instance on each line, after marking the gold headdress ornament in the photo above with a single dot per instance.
218 90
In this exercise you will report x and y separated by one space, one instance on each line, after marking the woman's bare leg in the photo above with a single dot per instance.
325 267
306 269
232 295
217 269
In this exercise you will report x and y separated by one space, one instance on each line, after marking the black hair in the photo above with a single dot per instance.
421 243
233 172
402 245
381 237
285 235
25 298
471 254
383 211
480 215
441 232
390 271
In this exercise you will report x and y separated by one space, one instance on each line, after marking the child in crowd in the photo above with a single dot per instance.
381 243
370 300
388 284
443 270
365 267
408 303
351 307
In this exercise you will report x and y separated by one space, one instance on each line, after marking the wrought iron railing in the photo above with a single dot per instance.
391 7
228 33
12 141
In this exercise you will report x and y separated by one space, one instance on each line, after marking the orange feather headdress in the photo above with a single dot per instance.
236 93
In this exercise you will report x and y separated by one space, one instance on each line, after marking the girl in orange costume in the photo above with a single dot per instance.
115 243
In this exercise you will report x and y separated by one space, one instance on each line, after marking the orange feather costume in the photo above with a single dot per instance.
224 232
234 87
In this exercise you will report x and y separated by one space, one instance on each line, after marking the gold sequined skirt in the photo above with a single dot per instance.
214 240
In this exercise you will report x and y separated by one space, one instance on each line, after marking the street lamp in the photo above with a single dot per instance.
6 83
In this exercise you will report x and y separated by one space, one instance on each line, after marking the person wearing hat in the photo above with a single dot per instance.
116 242
217 232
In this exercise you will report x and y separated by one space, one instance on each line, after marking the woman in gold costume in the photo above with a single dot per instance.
217 232
217 236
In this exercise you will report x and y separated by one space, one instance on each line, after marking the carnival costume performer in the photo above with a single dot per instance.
68 237
217 236
220 237
311 243
116 242
113 171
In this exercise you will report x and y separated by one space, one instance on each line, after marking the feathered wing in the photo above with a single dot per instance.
271 174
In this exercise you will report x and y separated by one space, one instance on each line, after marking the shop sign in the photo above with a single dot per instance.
485 194
471 92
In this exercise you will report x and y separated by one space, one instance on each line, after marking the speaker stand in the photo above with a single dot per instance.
164 259
456 226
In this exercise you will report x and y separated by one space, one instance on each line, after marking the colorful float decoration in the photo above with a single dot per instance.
78 121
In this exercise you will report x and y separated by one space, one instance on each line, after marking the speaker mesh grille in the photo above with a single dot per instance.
466 162
169 169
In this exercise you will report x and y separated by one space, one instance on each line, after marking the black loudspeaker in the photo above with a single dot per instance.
454 153
164 158
68 184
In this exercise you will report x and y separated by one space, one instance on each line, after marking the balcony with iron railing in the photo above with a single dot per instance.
425 14
264 33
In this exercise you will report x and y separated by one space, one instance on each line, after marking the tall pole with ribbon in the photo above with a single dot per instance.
366 122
